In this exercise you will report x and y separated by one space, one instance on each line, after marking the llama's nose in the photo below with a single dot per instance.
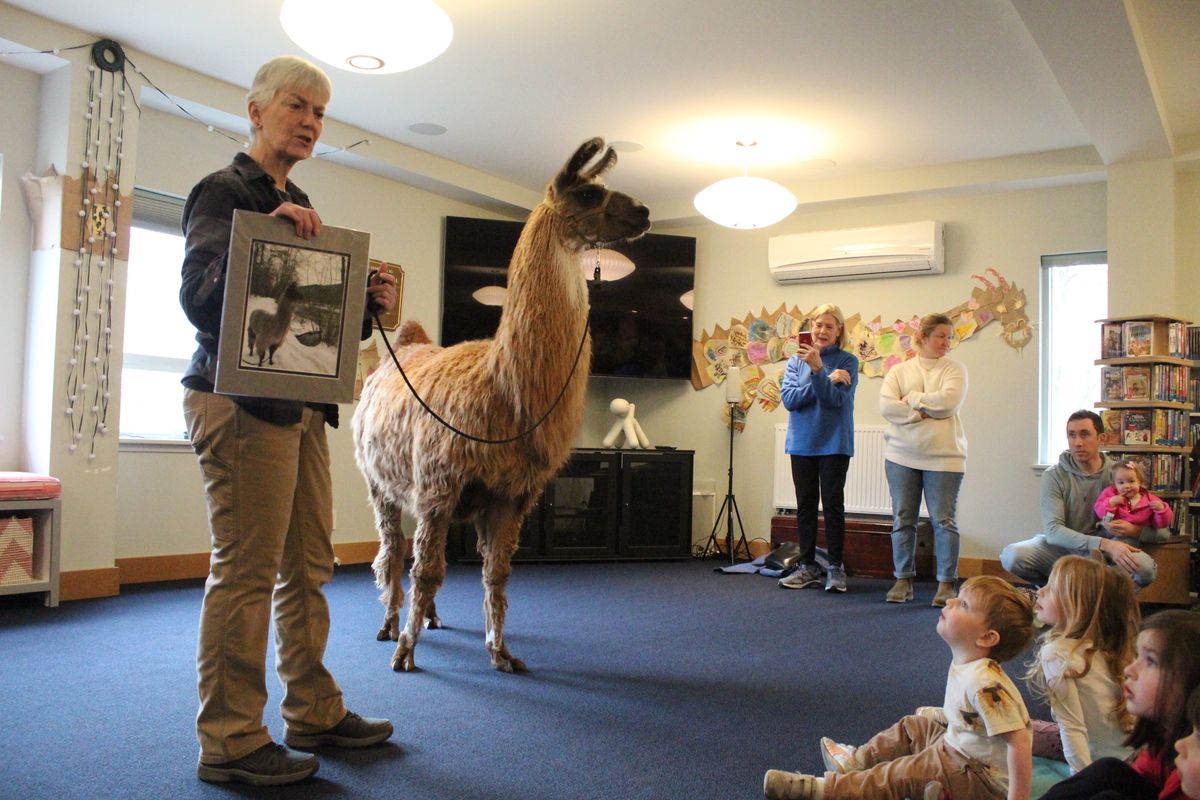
642 211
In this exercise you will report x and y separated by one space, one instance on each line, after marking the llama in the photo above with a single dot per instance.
493 389
267 330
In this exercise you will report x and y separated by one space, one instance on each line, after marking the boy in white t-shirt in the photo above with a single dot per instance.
977 745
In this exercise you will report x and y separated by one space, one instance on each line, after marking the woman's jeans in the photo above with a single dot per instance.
941 499
823 479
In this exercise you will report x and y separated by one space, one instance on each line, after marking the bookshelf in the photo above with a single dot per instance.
1149 407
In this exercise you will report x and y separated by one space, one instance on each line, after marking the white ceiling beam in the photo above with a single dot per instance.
1091 46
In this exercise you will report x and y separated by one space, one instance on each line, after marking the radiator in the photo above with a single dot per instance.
866 482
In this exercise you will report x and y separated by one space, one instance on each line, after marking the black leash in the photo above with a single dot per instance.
472 437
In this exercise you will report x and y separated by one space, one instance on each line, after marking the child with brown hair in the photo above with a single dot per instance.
980 748
1092 620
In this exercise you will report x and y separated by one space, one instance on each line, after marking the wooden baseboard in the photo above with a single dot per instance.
85 584
89 583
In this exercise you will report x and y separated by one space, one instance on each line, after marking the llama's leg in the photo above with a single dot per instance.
250 338
498 539
271 355
428 572
389 562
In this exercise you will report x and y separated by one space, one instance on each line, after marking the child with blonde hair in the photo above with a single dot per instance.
1092 619
979 749
1128 499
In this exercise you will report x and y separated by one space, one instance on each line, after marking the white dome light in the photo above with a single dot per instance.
613 265
745 202
490 295
368 36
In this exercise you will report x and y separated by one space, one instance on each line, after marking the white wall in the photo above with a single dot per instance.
19 97
1008 231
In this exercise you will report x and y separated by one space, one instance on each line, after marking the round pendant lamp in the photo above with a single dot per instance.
613 265
490 295
745 201
368 36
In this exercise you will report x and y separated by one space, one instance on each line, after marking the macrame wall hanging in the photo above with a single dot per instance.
96 227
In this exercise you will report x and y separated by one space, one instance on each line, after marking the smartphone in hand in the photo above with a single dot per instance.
804 338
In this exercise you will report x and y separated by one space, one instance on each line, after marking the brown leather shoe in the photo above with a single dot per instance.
945 591
901 591
270 765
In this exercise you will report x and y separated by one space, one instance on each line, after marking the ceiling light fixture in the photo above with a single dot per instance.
612 265
490 295
368 36
745 202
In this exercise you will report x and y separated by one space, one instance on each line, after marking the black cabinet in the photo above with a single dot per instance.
605 504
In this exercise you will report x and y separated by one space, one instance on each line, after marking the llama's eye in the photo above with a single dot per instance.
590 195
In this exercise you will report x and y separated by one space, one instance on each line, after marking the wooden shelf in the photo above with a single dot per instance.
1143 404
1146 318
1129 361
1145 448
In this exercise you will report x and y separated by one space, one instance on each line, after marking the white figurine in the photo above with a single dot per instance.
635 437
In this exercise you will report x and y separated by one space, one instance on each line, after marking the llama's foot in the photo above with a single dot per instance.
504 661
390 629
402 659
433 622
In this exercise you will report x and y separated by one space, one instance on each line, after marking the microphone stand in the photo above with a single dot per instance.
730 509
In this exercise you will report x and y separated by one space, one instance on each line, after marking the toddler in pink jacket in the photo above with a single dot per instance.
1127 499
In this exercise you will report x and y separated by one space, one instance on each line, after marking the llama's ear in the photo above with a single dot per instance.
582 156
605 163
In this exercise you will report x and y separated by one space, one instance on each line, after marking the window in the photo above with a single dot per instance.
159 340
1074 294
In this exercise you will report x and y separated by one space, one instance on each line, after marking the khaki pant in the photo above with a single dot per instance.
270 510
905 757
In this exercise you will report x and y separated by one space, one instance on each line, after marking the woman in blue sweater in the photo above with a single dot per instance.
818 389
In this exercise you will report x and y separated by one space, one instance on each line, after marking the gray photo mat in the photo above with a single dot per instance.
315 327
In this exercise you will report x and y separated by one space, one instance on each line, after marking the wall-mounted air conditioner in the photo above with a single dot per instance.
913 248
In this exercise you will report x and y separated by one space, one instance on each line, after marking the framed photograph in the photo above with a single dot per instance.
391 320
293 311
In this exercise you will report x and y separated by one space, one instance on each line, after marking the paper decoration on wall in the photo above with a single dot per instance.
760 346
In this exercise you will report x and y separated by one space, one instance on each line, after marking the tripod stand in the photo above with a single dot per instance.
729 508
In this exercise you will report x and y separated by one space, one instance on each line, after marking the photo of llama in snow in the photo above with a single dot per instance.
294 310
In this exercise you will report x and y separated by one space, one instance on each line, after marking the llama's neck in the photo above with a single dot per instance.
544 315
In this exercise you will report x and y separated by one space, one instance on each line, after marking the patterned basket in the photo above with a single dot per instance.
16 550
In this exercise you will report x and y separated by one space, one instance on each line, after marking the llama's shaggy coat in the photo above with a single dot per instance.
492 389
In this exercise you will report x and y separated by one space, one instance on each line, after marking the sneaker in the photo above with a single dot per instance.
945 591
839 758
835 580
352 731
901 591
780 785
270 765
806 575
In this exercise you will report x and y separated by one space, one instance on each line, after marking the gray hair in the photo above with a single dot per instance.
286 72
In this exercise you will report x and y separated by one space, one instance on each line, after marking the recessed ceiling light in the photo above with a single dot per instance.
427 128
622 146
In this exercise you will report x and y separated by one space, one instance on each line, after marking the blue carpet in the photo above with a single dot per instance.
647 680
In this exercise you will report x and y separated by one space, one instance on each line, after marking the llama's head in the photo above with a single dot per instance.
593 212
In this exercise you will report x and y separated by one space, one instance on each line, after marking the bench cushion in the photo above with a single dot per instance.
28 486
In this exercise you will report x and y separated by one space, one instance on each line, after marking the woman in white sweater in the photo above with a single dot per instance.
926 452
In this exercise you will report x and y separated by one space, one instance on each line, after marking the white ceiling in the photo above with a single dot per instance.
900 95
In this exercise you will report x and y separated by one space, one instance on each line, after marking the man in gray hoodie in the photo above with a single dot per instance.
1069 491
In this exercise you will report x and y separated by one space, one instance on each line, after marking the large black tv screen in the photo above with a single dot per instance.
640 325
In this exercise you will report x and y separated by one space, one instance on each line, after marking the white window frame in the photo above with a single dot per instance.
1050 430
160 212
